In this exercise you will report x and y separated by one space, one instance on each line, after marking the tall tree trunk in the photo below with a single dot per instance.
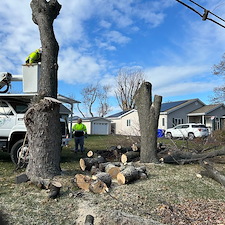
42 119
148 113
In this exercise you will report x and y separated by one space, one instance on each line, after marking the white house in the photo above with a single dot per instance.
171 114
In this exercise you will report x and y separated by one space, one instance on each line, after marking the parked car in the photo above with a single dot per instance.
188 130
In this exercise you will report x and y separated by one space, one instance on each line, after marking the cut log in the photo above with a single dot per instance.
136 147
87 163
102 166
212 173
128 175
112 170
89 220
54 189
94 170
141 169
98 187
83 181
130 156
21 178
143 176
90 154
104 177
180 157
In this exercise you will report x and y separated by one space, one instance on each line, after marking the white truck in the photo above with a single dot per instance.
12 127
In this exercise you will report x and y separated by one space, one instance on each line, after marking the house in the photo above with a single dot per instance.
95 125
172 114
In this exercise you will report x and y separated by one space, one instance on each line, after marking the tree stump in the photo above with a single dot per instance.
129 156
127 175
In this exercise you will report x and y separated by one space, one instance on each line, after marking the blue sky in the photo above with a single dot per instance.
170 43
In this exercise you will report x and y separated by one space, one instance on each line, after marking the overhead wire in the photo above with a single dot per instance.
205 14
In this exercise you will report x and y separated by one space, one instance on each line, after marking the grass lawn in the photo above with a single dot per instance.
167 185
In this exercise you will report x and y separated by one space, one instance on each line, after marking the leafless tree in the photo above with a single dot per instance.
219 92
128 82
42 118
90 94
95 95
104 107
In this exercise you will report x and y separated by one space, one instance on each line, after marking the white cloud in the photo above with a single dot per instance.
79 68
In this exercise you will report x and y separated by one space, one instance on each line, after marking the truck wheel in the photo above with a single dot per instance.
19 152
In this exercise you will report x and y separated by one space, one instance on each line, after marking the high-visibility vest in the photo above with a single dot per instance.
34 57
79 127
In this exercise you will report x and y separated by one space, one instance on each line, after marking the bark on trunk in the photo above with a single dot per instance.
42 119
44 148
43 14
148 113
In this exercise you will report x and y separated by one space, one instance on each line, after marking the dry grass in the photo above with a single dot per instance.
167 185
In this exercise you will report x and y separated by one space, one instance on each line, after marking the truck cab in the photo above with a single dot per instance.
13 107
13 129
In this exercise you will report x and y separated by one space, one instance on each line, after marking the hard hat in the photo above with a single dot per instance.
40 50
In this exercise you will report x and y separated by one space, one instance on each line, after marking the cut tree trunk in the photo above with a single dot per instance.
212 173
104 177
127 175
148 113
180 157
87 163
130 156
44 148
42 120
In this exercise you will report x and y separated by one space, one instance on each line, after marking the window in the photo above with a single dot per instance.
5 109
177 121
163 121
128 123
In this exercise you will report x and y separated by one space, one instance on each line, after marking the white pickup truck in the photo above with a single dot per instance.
12 127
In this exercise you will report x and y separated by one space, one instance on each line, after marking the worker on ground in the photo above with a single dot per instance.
34 57
79 132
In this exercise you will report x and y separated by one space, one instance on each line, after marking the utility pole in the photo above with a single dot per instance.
205 14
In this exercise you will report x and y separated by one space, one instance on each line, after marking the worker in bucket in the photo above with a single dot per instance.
79 132
34 57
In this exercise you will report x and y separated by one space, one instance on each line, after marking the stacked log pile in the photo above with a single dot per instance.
102 173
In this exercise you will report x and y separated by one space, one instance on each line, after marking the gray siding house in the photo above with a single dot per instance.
172 114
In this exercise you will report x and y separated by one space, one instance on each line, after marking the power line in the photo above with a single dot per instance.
205 14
